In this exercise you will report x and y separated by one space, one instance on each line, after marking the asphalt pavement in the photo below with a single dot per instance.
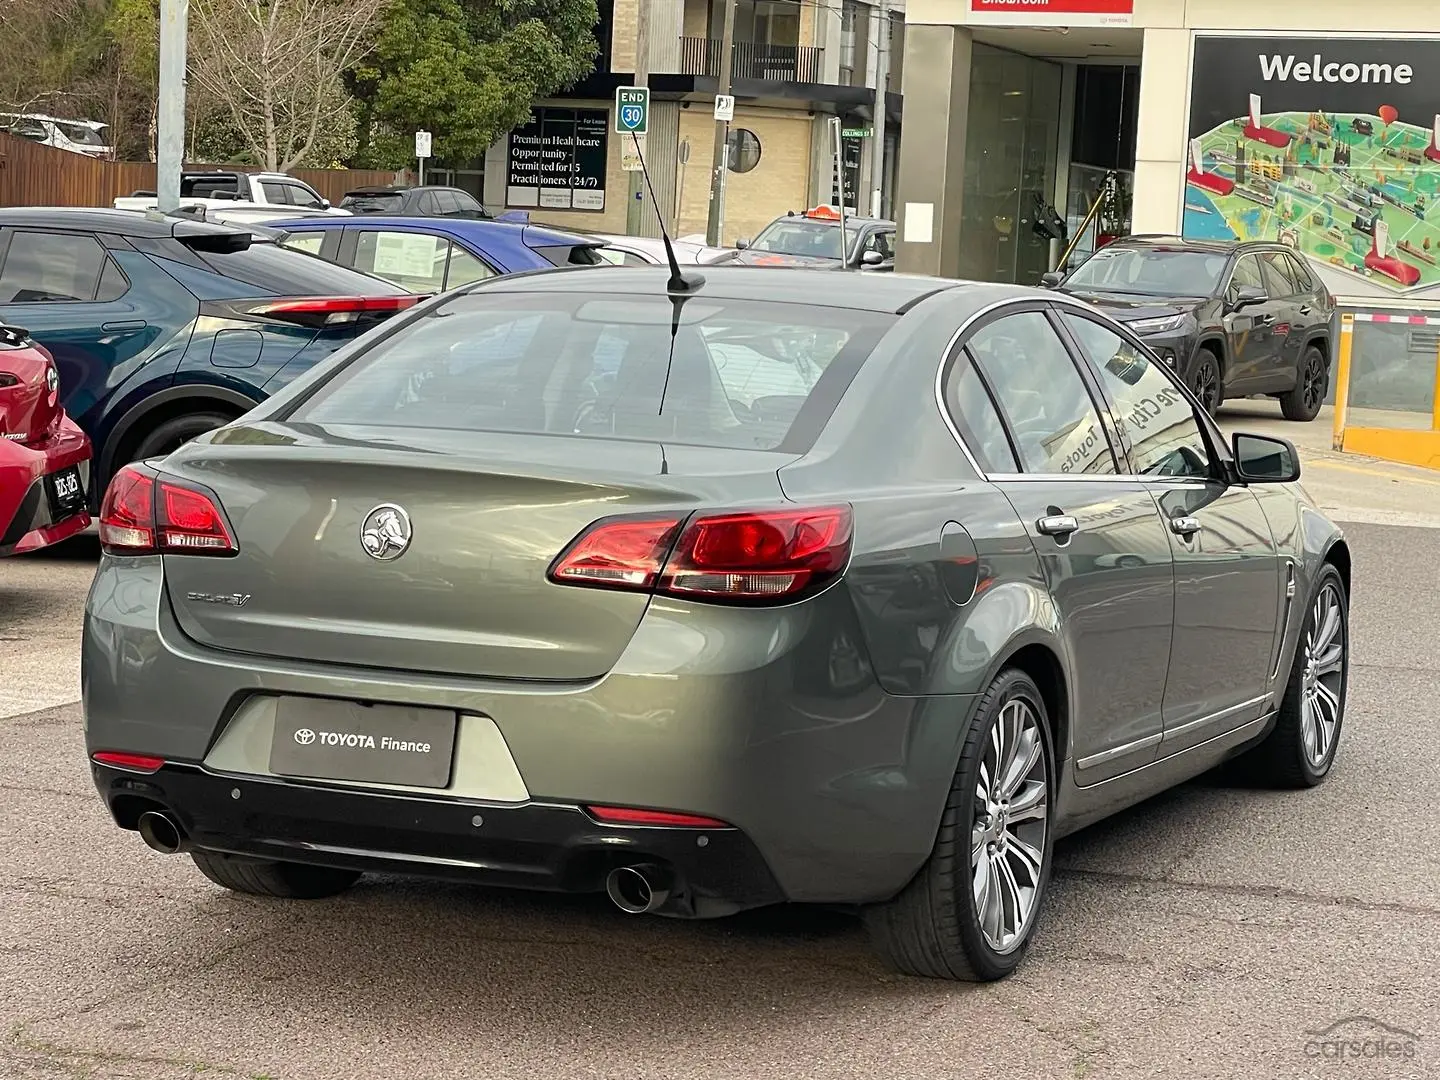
1215 931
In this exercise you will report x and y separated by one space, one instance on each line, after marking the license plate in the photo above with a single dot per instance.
67 493
378 744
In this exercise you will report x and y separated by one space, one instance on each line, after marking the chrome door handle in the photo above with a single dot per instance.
1185 526
1057 525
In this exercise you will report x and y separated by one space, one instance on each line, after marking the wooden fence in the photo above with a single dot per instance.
35 175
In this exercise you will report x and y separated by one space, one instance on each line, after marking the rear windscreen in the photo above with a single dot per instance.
281 271
745 374
374 203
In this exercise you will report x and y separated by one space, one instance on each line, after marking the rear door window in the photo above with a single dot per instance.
412 260
741 374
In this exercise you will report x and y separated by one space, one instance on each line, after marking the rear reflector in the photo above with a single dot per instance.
144 514
321 311
133 762
620 815
746 556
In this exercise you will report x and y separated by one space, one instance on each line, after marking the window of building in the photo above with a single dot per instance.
1050 413
744 150
1164 436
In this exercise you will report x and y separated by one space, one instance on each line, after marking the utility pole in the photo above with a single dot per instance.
722 133
170 118
635 220
877 133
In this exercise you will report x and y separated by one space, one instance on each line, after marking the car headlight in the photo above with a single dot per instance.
1157 326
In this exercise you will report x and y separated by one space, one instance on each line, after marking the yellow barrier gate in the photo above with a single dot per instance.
1413 443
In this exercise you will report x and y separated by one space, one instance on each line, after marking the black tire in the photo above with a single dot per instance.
285 880
175 432
1206 378
1302 404
932 928
1283 760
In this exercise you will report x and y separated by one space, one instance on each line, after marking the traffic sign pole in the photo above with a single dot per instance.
635 217
718 163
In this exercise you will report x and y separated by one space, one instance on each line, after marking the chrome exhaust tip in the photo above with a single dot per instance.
638 890
160 832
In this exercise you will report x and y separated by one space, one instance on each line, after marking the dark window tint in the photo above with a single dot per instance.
429 205
276 192
1279 278
112 283
1164 436
1036 384
737 374
1247 274
377 203
281 271
50 267
1300 272
448 203
974 414
468 205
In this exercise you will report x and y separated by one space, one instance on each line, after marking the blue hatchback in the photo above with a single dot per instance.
430 255
163 328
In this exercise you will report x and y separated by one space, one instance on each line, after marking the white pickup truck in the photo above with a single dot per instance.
231 190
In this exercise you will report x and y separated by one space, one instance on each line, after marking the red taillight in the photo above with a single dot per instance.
622 815
143 514
623 553
133 762
751 555
333 310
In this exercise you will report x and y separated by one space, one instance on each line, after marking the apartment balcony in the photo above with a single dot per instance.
749 60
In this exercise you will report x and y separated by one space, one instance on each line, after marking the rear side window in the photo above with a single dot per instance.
974 413
309 242
1300 272
52 267
742 374
280 271
1277 275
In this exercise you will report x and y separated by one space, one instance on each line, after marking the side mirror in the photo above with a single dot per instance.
1052 279
324 204
871 258
1261 459
1247 296
742 243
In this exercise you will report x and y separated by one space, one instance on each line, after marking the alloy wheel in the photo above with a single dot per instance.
1206 382
1008 838
1314 382
1322 689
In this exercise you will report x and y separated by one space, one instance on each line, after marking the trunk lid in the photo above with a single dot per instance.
487 513
29 388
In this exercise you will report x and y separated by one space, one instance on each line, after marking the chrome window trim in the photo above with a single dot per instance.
1098 316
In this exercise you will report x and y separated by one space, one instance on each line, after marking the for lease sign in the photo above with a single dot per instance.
1052 12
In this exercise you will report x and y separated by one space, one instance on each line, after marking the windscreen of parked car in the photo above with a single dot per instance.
283 271
1154 271
803 237
742 374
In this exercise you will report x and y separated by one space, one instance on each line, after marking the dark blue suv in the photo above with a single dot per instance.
164 327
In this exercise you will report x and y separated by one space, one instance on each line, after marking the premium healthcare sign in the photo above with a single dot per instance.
1330 145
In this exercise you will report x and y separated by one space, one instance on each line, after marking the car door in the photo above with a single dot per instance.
1288 330
69 292
1227 571
1249 330
1098 534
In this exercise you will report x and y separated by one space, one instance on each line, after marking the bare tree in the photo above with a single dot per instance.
276 65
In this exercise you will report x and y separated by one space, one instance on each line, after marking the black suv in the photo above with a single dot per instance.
1234 319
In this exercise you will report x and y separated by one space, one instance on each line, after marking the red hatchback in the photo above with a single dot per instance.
44 456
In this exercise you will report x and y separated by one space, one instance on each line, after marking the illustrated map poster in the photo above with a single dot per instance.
1330 145
557 161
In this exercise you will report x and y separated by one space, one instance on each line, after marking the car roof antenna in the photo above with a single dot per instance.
679 282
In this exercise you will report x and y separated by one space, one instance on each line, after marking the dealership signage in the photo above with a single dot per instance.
1276 67
557 161
1052 12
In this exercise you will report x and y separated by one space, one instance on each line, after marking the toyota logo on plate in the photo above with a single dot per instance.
304 736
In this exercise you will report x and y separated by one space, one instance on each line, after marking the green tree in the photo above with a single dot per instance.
466 70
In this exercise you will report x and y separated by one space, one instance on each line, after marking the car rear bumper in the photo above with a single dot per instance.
536 845
753 717
27 521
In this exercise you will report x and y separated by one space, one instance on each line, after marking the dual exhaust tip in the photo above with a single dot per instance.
161 832
640 889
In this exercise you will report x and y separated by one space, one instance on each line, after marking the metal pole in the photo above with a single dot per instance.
635 219
836 128
170 117
1342 380
722 133
877 134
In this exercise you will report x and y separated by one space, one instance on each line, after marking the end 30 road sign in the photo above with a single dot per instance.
632 110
